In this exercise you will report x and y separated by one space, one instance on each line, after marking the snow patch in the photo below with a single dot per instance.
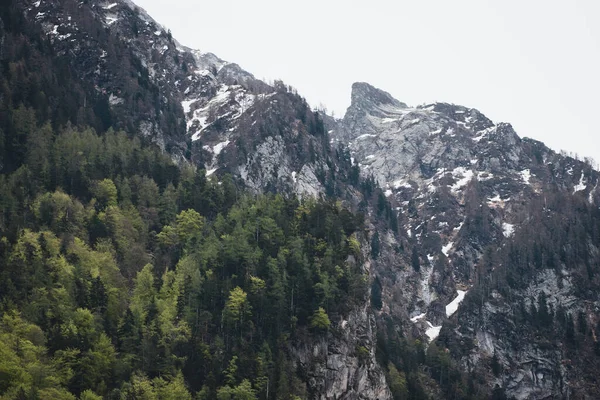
446 248
364 136
453 306
483 134
418 317
401 184
426 295
110 6
525 175
508 229
388 193
433 331
187 105
210 171
114 100
110 19
463 175
580 186
219 147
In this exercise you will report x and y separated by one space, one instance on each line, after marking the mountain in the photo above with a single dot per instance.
477 249
475 199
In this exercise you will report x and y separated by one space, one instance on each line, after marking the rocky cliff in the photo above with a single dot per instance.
451 201
466 188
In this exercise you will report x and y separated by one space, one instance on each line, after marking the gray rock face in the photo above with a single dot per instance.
461 183
458 182
342 365
530 368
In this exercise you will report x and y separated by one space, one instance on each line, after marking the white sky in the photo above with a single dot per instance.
533 63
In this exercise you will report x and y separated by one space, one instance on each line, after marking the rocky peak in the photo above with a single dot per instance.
461 185
367 97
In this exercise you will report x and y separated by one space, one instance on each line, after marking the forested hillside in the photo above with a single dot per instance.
172 227
123 274
126 276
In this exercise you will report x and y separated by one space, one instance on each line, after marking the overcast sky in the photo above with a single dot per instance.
533 63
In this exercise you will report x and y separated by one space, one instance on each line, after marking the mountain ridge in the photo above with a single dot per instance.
442 189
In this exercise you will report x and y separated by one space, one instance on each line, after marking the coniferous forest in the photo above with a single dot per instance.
128 273
127 276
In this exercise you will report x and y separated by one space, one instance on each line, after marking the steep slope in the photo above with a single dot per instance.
465 187
462 190
204 111
128 59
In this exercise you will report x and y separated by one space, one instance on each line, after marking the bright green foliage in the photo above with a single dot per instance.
144 293
397 383
25 368
320 320
89 395
124 276
106 193
243 391
188 225
237 307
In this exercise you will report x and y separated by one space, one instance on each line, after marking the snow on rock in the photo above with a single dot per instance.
508 229
187 105
446 248
433 331
211 171
591 195
463 177
365 136
219 147
109 6
525 175
388 193
114 100
580 186
453 306
427 295
294 176
401 184
110 19
418 317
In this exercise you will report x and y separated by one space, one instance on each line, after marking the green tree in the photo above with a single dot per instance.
105 192
237 307
320 320
397 383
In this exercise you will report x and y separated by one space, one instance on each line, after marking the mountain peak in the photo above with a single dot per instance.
367 96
